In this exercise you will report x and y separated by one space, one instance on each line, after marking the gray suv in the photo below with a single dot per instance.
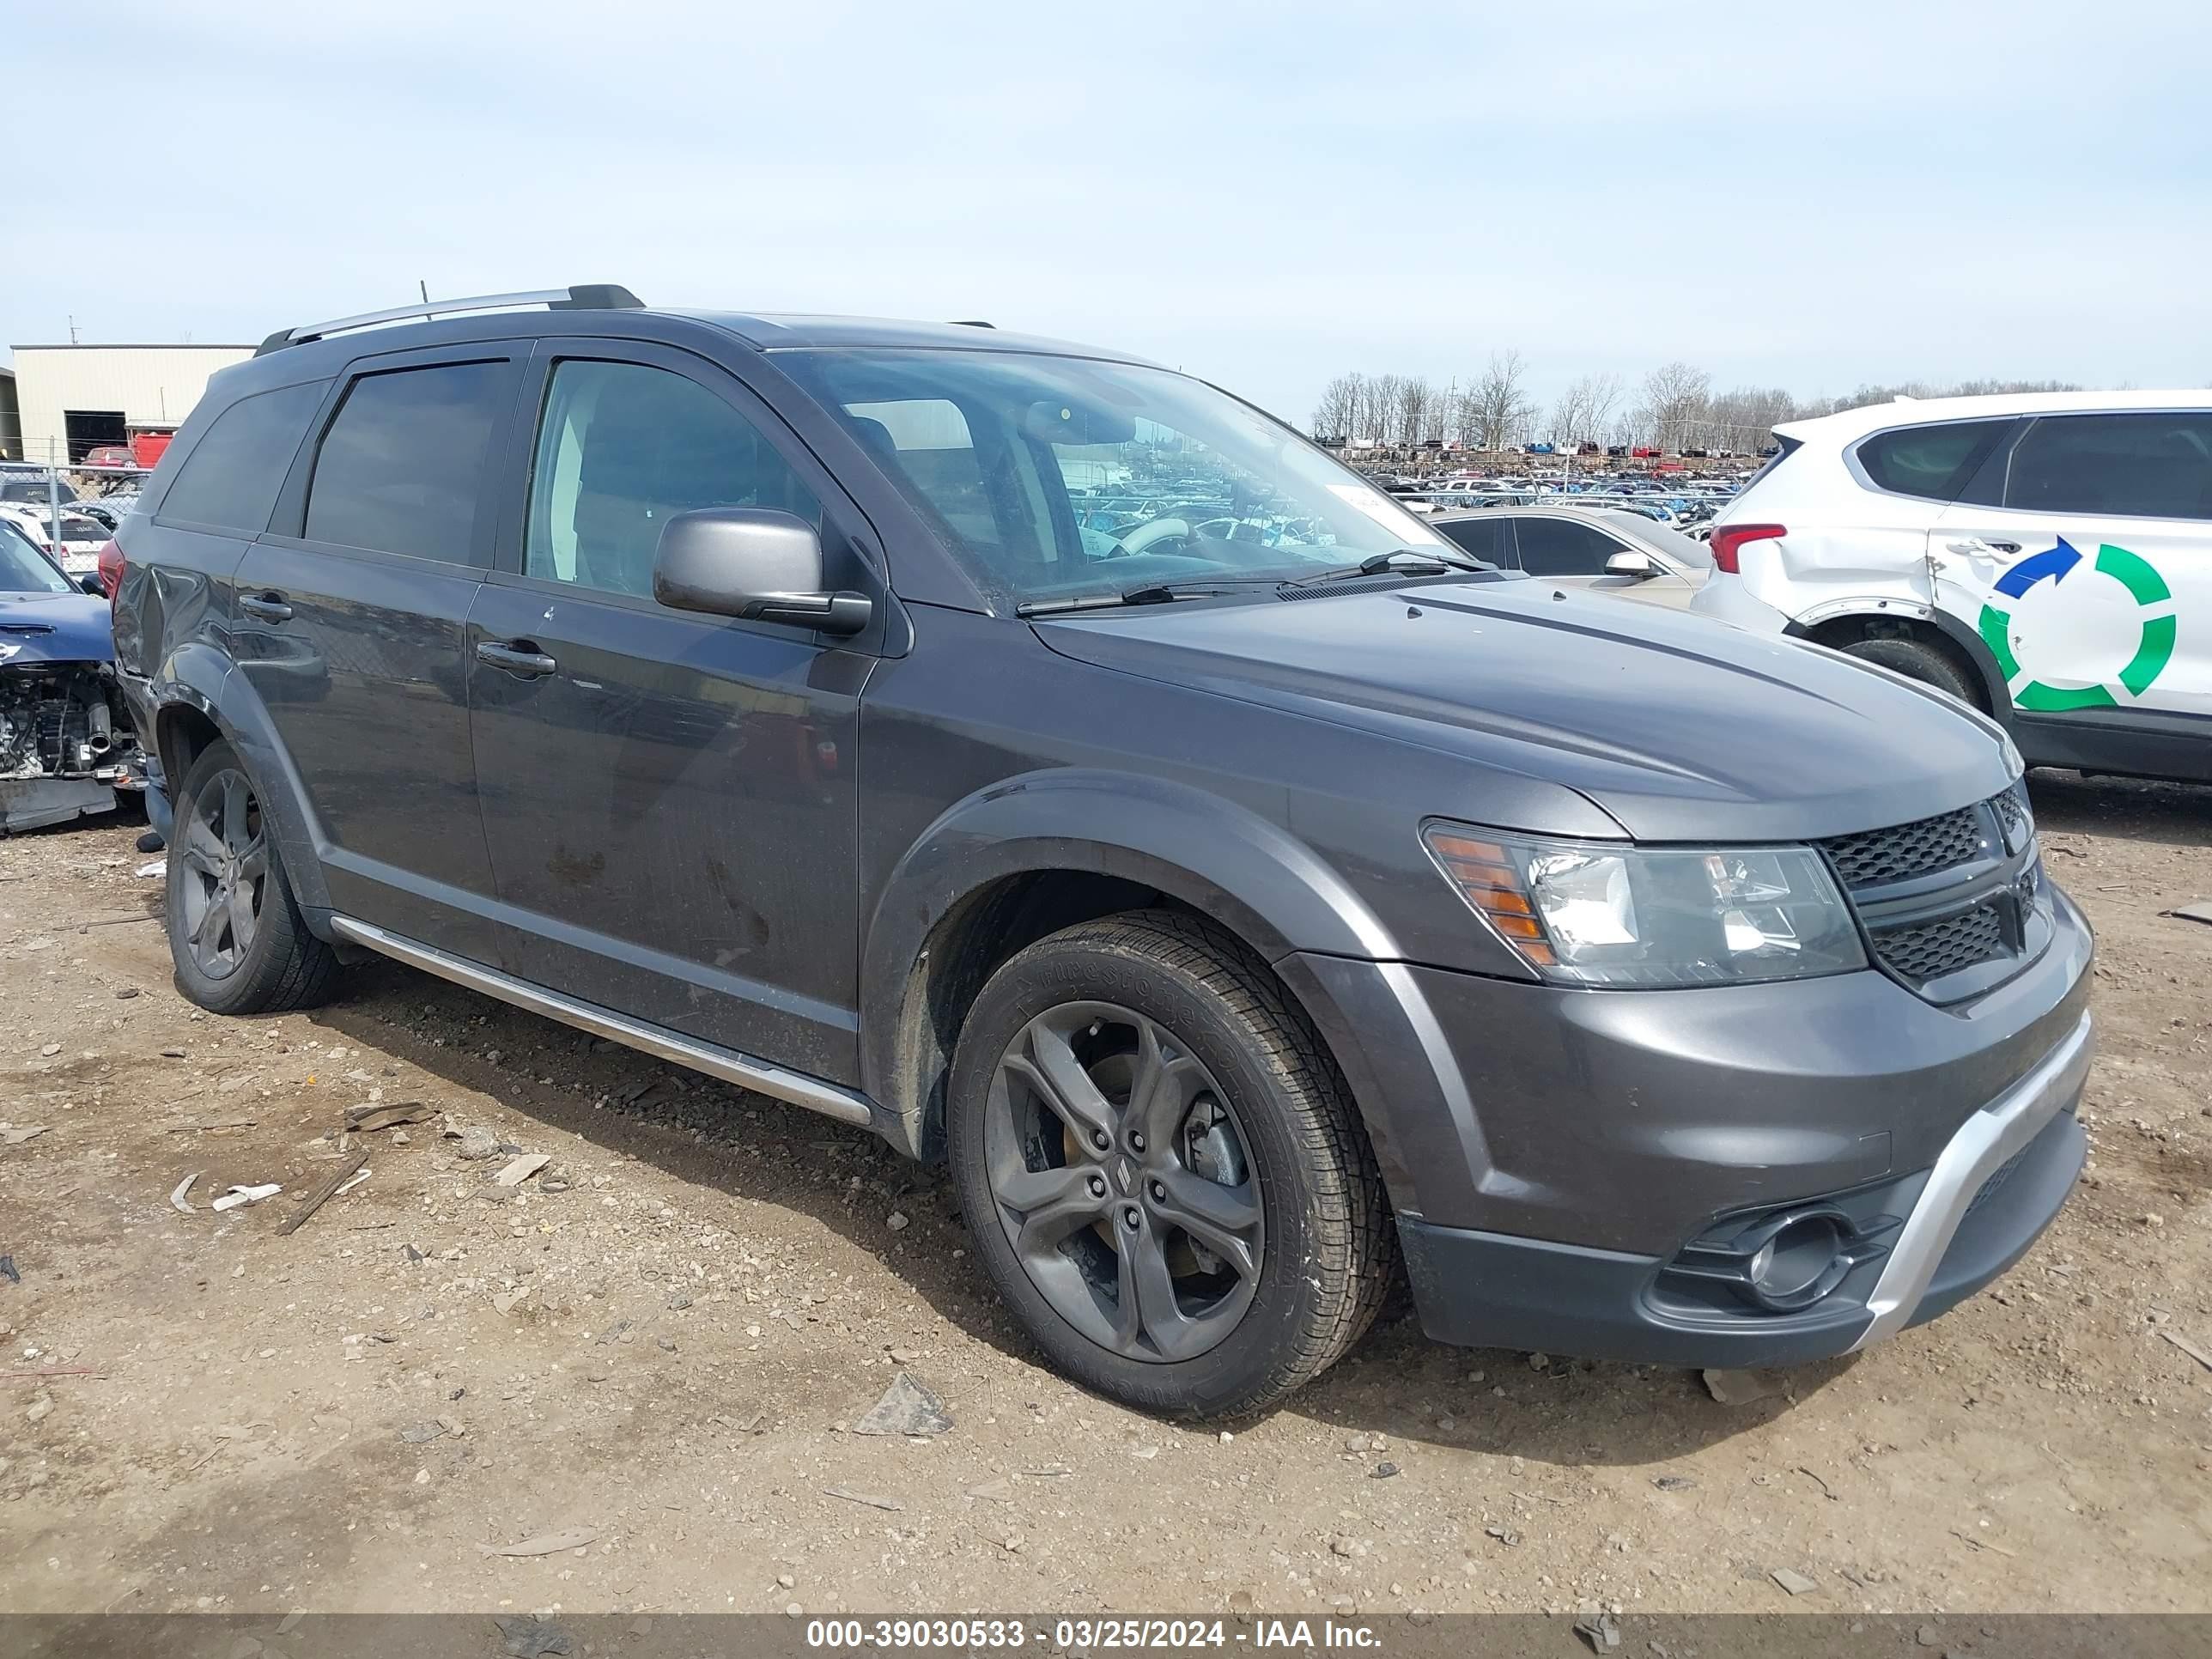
1065 770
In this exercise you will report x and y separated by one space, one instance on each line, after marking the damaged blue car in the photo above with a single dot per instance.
65 740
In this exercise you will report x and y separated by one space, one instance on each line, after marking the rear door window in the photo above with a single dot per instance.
2151 465
401 469
1930 462
1563 547
230 480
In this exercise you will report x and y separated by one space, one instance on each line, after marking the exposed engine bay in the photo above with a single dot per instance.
65 744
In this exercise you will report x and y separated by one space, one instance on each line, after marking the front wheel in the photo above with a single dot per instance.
236 937
1161 1169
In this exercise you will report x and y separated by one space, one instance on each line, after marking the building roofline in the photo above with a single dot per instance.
138 345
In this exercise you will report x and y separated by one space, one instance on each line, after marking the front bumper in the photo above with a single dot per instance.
1997 1186
1551 1152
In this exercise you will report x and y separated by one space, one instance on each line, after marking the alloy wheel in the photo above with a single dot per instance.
222 864
1121 1178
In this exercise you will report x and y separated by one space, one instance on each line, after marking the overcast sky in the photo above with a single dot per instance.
1263 194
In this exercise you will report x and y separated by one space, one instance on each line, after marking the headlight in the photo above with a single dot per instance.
1600 913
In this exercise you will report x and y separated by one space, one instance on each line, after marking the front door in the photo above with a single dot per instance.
670 798
2087 566
352 617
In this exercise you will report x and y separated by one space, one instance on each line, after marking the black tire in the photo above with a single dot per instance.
281 965
1326 1252
1923 663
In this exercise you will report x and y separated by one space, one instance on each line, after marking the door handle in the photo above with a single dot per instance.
268 607
1975 544
517 657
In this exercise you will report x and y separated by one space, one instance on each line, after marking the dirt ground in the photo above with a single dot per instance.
714 1288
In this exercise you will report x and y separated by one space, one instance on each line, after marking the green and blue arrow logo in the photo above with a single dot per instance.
2132 571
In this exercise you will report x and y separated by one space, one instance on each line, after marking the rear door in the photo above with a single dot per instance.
672 797
352 619
2082 554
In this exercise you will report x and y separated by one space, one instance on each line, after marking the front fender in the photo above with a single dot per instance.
1221 859
197 676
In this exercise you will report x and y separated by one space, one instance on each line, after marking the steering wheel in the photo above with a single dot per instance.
1158 530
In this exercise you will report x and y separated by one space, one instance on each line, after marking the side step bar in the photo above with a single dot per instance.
727 1064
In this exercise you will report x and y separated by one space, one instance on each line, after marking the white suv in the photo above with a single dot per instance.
2046 557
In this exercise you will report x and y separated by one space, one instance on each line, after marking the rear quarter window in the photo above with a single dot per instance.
1932 463
230 480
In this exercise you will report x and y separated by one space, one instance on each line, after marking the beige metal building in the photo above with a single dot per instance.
73 399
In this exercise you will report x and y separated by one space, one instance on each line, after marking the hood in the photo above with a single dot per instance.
55 628
1680 728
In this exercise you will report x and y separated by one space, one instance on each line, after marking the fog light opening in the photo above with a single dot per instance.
1806 1258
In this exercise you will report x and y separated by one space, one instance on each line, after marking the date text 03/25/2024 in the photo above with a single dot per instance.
1085 1636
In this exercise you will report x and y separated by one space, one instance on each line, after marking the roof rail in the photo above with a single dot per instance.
583 296
972 322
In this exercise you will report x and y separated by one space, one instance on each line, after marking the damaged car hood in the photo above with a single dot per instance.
1679 727
54 628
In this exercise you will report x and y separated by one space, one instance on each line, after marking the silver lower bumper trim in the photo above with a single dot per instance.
796 1087
1981 1147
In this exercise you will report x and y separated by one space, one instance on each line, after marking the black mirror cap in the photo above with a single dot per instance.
755 563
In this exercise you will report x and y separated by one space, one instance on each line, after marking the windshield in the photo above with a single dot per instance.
23 569
1054 476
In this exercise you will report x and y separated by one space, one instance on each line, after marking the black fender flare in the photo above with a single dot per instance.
198 677
1223 859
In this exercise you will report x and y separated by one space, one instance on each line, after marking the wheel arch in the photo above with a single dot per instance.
1938 628
1009 866
198 698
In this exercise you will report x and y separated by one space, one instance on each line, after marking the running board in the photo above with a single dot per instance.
795 1087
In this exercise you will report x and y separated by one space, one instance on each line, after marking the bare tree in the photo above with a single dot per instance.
1583 410
1417 402
1496 409
1335 414
1378 409
1745 419
1673 404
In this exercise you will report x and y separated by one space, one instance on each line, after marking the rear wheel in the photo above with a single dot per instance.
1161 1170
1918 662
236 937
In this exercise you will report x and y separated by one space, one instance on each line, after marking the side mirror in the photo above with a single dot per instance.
92 586
753 563
1641 567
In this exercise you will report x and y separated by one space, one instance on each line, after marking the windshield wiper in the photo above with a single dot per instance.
1198 588
1377 564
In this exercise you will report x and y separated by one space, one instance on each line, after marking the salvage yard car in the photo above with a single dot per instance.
1231 916
2046 557
1598 549
66 737
76 546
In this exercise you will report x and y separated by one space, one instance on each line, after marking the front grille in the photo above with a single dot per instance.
1970 841
1938 948
1877 856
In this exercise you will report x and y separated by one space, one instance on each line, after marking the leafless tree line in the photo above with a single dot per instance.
1674 408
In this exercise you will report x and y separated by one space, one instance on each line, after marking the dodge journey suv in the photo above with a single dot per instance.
1066 770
